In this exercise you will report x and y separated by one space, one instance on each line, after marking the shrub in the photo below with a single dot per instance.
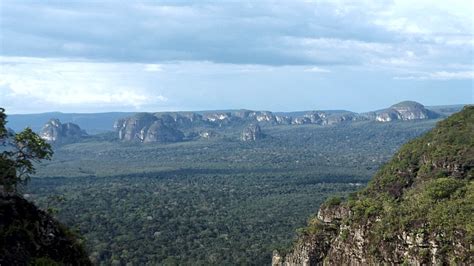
443 188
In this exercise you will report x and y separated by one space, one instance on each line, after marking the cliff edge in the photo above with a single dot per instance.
418 209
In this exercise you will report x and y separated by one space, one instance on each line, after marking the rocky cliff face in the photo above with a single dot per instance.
56 132
208 134
402 111
417 210
29 236
168 127
252 133
146 127
159 132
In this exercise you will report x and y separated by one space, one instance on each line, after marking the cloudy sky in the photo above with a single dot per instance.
95 56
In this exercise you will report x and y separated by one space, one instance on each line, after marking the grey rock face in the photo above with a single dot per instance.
254 116
316 117
283 120
145 127
218 117
208 134
135 127
252 133
310 249
330 246
159 132
301 121
402 111
56 132
172 124
329 215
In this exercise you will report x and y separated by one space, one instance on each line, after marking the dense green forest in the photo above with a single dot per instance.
217 201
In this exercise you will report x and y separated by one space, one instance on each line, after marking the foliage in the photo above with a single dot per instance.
25 231
44 262
442 188
19 152
215 201
29 235
333 201
426 190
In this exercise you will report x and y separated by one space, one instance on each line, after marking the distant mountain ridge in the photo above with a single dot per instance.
172 125
95 123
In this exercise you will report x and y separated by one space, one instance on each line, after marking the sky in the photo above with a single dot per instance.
100 56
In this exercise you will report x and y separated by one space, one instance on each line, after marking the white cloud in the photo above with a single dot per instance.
153 68
257 32
440 75
444 75
132 55
74 83
427 17
317 70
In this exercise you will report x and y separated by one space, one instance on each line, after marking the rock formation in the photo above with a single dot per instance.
208 134
169 126
56 132
159 132
417 210
407 110
252 133
145 127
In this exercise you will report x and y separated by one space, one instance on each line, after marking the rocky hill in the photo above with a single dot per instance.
29 236
145 127
252 133
95 123
407 110
56 132
418 209
171 126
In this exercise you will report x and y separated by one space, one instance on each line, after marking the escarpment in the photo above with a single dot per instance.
174 126
418 209
407 110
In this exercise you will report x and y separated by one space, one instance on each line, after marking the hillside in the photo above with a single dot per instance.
29 236
241 199
418 209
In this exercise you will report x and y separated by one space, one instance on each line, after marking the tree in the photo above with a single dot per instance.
18 154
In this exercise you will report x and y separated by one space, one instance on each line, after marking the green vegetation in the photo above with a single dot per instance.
333 201
18 153
28 235
216 201
426 191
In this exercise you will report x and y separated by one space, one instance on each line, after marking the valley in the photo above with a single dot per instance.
283 133
209 201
